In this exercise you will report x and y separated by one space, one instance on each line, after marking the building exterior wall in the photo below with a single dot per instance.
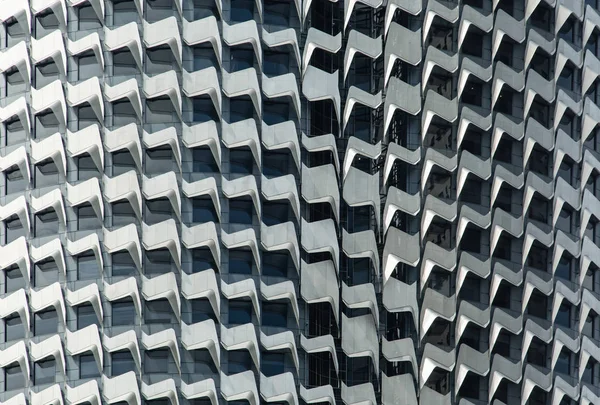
284 201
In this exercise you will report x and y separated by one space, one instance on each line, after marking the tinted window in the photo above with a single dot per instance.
158 311
123 214
202 259
88 367
86 316
204 210
275 213
123 265
44 372
240 109
239 361
122 362
46 273
15 183
156 361
123 62
123 313
88 20
274 264
240 161
240 212
276 63
277 12
272 364
14 279
204 110
240 262
87 267
274 315
45 322
86 218
13 377
240 312
241 58
204 161
241 10
46 224
13 328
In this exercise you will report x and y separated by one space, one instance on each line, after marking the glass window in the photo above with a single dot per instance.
472 93
14 32
46 174
122 162
44 372
275 264
86 316
14 83
204 8
202 259
123 62
204 110
46 273
204 210
123 214
277 12
203 364
123 113
240 109
14 228
121 363
239 361
15 183
88 20
13 328
46 224
13 279
275 113
159 60
275 213
88 66
240 262
13 377
123 313
204 57
159 159
241 160
159 111
45 73
156 361
88 367
240 312
86 218
240 211
158 261
123 265
15 133
276 63
204 161
158 210
564 315
45 322
563 364
158 311
87 267
45 124
86 168
241 58
45 22
202 310
473 45
272 364
241 10
274 315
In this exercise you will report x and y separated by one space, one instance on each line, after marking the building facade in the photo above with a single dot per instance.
300 202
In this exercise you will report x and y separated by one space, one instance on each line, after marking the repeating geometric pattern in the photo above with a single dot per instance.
302 202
